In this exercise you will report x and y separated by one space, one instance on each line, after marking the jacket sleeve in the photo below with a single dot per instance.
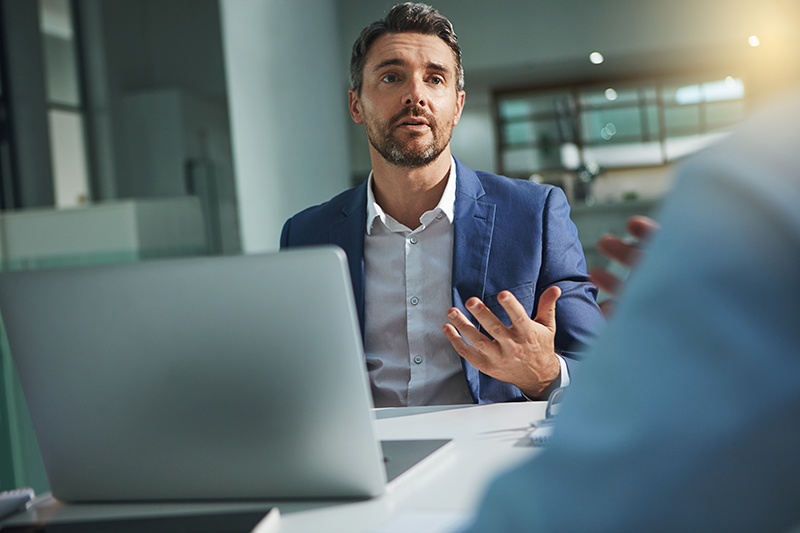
578 317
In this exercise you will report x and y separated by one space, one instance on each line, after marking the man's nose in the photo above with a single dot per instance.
415 95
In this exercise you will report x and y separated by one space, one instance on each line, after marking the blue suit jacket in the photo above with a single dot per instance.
508 235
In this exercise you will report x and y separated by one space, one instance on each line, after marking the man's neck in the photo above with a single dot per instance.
406 194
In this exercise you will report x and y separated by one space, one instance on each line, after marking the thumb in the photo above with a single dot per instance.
546 312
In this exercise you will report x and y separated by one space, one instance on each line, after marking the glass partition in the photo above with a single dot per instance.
614 124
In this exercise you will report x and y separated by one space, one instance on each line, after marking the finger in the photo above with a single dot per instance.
616 249
516 312
475 358
490 323
607 307
546 312
642 227
469 332
605 281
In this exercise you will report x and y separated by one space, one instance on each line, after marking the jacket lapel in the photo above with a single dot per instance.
348 233
473 225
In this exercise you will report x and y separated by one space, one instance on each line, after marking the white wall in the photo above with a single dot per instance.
288 106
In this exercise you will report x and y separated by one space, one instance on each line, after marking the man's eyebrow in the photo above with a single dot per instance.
437 66
394 61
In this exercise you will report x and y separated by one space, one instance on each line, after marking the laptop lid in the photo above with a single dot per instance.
206 378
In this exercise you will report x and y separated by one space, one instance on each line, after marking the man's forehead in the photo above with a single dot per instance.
403 48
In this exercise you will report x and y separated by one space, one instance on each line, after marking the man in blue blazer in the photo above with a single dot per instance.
428 239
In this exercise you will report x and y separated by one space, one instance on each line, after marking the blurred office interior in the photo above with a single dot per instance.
137 129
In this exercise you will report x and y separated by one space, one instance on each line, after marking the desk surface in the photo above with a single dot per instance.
486 440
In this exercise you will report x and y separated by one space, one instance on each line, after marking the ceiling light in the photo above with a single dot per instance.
753 40
596 58
611 94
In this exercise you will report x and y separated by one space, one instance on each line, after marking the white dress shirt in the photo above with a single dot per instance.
407 294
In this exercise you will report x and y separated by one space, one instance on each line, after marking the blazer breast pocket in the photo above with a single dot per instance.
524 293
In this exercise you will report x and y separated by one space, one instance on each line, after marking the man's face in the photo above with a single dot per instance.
408 102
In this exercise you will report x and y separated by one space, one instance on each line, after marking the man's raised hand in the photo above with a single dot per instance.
522 354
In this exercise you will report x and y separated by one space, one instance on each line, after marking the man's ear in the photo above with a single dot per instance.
355 106
461 97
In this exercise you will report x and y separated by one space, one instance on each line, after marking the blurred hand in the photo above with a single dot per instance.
625 253
523 354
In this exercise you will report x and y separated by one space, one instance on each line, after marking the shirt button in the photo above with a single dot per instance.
413 240
414 300
439 216
417 359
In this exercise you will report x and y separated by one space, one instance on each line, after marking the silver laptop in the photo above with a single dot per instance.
207 378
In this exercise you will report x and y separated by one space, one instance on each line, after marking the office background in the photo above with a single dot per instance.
132 129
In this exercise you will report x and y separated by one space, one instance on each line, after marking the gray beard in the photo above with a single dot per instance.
382 139
400 156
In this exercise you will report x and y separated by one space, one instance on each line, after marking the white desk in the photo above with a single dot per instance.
486 440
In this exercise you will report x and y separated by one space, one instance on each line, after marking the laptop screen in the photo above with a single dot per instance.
203 378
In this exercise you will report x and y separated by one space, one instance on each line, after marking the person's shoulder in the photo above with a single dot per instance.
507 189
503 182
342 202
312 225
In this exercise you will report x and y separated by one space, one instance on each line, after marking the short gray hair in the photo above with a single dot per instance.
405 18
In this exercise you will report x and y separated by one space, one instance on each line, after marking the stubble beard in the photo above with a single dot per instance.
408 153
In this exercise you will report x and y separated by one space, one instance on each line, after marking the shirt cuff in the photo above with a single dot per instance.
561 381
564 371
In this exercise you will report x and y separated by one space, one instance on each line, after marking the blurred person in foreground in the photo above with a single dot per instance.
686 415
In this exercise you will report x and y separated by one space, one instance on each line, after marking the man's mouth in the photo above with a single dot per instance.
414 121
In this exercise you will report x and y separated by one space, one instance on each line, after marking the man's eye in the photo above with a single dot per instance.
437 81
390 78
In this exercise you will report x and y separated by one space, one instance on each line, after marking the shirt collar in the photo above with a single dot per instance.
446 203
